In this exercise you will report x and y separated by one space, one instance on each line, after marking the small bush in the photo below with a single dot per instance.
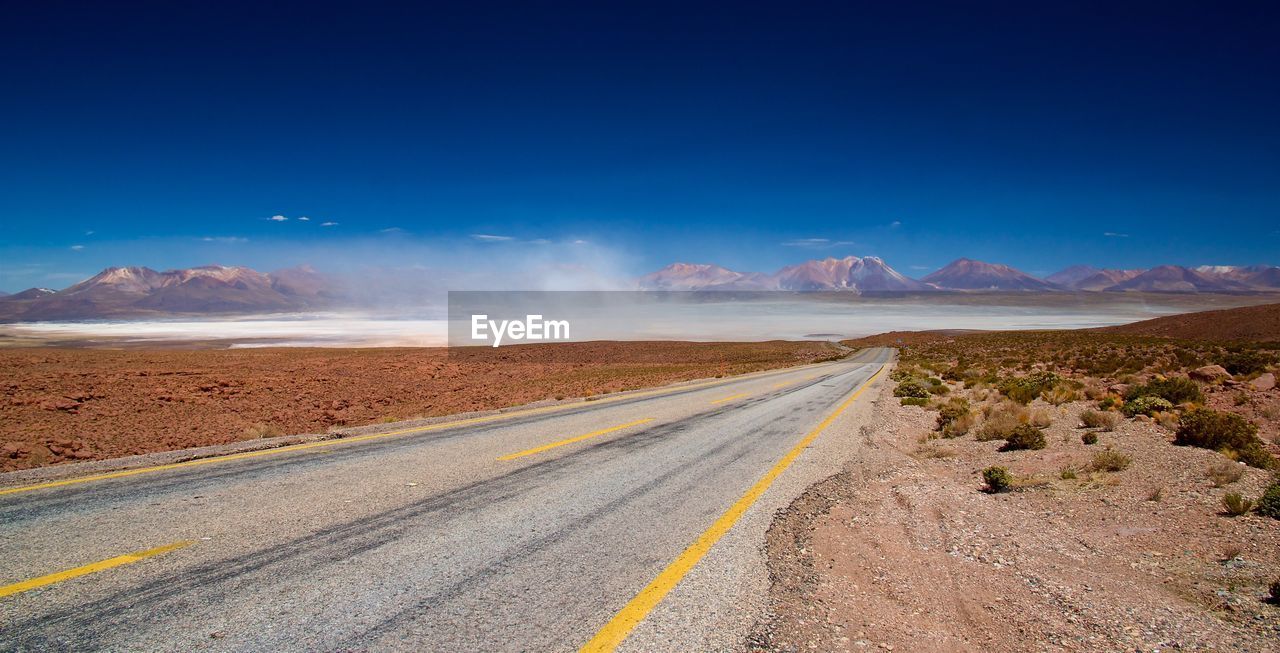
1067 473
1095 419
1175 390
1110 461
1269 504
915 401
1224 473
1248 362
911 388
998 479
1236 504
1024 436
1024 389
955 420
1145 406
1107 403
1226 432
1089 438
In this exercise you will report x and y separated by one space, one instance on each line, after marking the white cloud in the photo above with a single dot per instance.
816 243
895 224
540 241
77 247
277 218
328 224
89 232
391 230
224 239
921 267
304 219
490 238
1112 234
579 242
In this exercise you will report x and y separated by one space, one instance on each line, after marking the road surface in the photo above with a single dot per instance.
547 529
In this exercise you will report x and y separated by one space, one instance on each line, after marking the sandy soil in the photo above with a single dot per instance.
904 551
59 405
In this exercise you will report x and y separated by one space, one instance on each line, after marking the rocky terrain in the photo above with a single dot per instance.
907 550
60 405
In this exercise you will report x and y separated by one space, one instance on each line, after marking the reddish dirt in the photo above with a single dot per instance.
59 405
1257 323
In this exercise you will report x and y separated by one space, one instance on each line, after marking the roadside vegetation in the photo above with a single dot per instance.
1057 414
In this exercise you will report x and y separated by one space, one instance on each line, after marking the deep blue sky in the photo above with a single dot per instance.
732 133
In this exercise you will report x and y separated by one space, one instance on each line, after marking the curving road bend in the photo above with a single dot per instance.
529 532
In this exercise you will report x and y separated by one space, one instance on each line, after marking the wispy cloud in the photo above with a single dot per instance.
224 239
278 218
304 219
816 243
89 232
895 224
1112 234
540 241
391 230
580 242
490 238
77 247
328 224
921 267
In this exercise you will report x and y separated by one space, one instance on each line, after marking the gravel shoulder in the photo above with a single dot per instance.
902 550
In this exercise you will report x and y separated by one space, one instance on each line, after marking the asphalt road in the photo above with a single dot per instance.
474 537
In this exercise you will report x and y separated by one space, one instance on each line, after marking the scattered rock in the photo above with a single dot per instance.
1265 382
1210 373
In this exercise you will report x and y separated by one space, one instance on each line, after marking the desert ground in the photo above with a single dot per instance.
1028 491
66 404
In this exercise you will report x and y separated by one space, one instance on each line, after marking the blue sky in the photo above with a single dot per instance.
168 134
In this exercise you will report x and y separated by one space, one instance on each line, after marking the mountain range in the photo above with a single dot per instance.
872 274
139 292
133 292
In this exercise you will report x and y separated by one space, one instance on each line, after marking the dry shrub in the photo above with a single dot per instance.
1094 392
932 451
1224 473
1040 418
1001 420
1110 461
1059 394
1096 419
261 430
1168 420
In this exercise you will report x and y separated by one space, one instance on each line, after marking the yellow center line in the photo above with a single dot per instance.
730 398
60 576
376 436
577 438
630 616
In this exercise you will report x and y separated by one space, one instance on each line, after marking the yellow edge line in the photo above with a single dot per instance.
622 623
578 438
730 398
90 568
374 436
